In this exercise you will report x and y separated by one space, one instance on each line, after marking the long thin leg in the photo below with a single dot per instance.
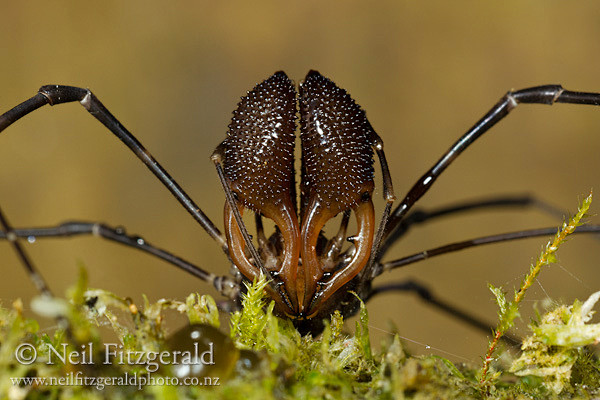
238 218
223 284
33 273
427 296
58 94
389 197
449 248
275 286
9 233
548 94
419 216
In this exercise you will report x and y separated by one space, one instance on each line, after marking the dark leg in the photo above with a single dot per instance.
449 248
33 273
425 294
548 94
9 233
238 217
223 284
421 216
276 286
57 94
389 197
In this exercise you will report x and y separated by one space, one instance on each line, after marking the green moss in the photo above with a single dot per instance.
283 364
260 356
556 351
536 360
268 359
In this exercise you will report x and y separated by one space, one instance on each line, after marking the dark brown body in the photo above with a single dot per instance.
311 274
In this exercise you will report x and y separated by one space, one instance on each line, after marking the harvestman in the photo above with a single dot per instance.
309 274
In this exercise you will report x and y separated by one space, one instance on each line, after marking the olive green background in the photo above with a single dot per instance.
172 72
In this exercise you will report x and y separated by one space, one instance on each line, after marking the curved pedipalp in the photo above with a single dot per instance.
365 219
258 166
337 176
315 218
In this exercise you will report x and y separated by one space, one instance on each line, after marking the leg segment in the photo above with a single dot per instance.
389 197
223 284
548 94
57 94
34 275
427 296
421 216
449 248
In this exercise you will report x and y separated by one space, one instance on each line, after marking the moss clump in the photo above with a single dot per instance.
264 357
261 356
556 352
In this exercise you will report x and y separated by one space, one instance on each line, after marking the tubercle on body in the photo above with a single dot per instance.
337 144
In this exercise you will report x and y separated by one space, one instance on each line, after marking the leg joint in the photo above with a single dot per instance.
57 94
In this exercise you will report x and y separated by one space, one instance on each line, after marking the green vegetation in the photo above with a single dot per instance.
264 357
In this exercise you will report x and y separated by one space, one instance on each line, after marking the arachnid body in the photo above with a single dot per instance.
311 275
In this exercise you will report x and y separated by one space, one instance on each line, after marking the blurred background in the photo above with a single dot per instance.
424 71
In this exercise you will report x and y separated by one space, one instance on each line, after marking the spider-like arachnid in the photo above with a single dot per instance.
310 275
